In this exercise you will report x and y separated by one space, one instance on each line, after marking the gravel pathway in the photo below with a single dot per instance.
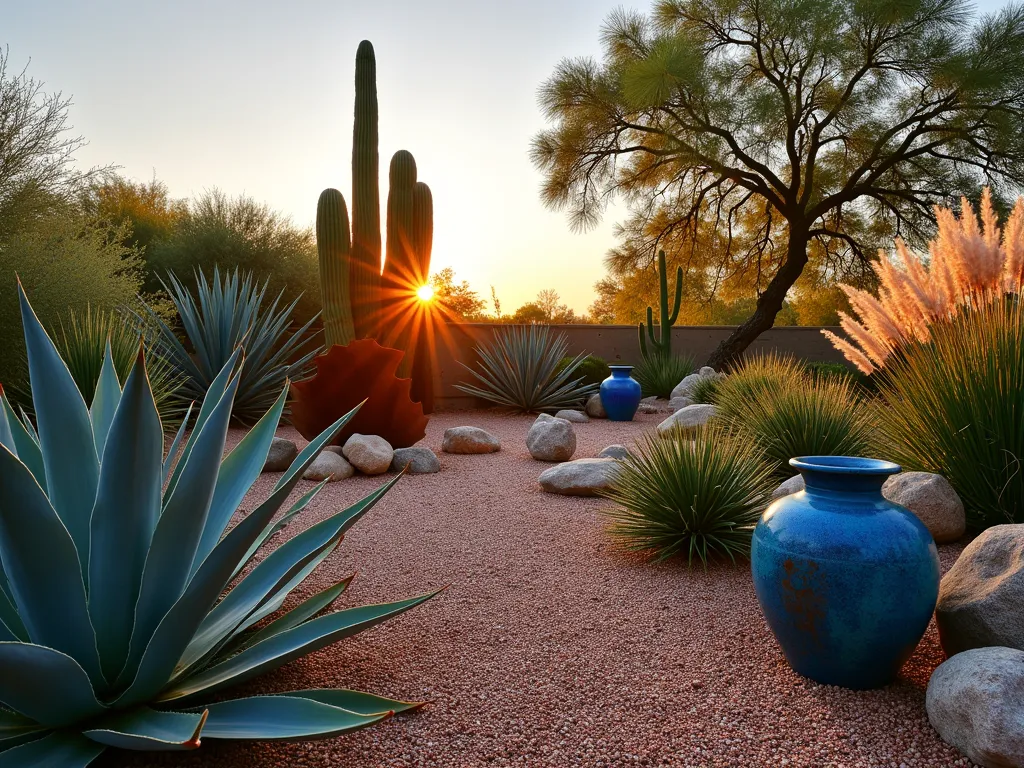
551 648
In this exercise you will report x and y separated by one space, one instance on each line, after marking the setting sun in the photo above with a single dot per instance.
425 292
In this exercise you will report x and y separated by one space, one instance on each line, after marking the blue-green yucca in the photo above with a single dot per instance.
116 616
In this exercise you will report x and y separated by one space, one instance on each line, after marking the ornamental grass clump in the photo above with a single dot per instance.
123 604
226 313
761 373
698 499
798 417
658 373
705 391
969 266
955 406
522 370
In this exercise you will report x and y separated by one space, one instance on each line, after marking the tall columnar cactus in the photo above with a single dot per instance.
423 243
333 247
366 245
399 282
667 319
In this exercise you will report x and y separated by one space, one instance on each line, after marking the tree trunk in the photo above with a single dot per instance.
730 351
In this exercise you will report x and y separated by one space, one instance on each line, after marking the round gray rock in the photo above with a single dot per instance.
551 440
370 454
678 403
419 460
594 407
328 465
615 451
685 387
469 440
576 417
282 454
687 419
795 484
975 700
932 499
583 477
981 598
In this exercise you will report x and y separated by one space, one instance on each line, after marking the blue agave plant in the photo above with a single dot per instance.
116 616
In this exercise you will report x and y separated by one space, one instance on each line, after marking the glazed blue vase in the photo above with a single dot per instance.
846 579
620 394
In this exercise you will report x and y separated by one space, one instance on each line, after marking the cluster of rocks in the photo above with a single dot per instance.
975 699
367 454
553 439
687 387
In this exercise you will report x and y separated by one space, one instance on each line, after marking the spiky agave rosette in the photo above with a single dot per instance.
116 616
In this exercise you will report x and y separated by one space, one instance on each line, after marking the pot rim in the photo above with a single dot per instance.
845 465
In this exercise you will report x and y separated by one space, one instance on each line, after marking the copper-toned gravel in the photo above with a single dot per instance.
553 649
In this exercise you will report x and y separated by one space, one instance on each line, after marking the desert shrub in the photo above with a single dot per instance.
955 406
240 233
66 263
697 499
593 369
706 390
520 370
658 374
802 418
759 373
225 314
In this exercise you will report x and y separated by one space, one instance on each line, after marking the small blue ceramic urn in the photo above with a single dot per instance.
846 579
620 394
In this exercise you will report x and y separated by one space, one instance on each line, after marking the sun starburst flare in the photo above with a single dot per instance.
968 265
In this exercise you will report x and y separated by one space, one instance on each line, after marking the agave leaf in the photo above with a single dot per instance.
105 400
179 625
287 646
149 730
6 435
42 567
10 618
282 718
125 516
65 434
262 583
176 443
213 397
180 527
64 749
279 524
25 442
355 701
304 611
30 675
16 729
238 472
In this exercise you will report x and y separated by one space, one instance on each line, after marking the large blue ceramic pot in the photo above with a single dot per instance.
846 579
620 393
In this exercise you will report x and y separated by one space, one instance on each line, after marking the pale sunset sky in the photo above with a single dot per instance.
256 97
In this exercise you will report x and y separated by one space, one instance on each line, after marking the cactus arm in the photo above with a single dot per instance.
643 340
679 297
333 250
366 246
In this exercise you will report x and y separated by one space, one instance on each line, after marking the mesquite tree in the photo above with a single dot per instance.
784 125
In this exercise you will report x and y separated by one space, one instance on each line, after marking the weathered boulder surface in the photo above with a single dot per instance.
370 454
981 598
686 387
594 407
975 700
687 419
551 439
583 477
615 451
282 454
419 460
329 465
469 440
678 403
576 417
932 499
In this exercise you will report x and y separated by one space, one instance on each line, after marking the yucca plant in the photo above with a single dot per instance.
705 391
697 499
521 370
658 374
230 312
123 602
803 418
760 373
82 338
955 406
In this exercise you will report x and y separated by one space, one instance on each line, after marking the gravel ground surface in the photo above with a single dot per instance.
551 648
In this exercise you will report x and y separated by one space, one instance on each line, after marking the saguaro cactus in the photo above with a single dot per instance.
366 245
399 284
667 319
333 248
423 243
